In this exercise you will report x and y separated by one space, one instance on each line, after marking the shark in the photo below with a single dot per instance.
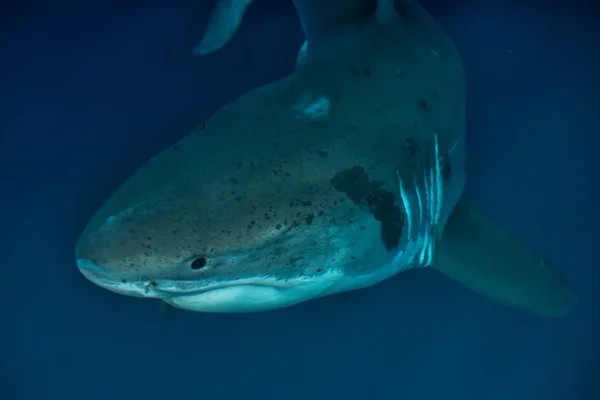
343 174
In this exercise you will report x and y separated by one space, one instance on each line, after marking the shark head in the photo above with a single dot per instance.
235 246
244 238
302 188
249 227
255 210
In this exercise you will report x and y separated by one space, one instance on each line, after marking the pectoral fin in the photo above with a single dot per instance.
482 256
165 308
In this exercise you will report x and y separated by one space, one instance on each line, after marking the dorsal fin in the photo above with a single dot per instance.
333 25
319 18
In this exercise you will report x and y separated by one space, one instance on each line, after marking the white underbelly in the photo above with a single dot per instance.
262 294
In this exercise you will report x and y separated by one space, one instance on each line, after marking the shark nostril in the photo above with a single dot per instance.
199 263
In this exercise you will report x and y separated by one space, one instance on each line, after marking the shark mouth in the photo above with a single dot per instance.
128 285
117 282
243 295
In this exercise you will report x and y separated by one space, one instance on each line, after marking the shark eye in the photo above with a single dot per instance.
198 263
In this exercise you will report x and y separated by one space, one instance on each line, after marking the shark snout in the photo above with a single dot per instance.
97 274
87 266
116 281
92 271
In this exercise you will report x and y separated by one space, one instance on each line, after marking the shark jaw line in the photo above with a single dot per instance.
267 293
256 293
252 294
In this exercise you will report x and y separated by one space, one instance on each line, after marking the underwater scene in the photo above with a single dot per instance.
300 200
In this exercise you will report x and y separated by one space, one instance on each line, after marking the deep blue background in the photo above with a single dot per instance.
89 90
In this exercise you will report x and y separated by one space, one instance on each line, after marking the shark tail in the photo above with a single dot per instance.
480 255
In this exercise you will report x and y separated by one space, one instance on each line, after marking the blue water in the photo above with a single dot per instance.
90 90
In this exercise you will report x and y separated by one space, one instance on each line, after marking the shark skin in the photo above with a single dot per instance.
343 174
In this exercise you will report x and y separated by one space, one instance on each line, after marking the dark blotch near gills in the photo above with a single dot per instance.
446 169
355 183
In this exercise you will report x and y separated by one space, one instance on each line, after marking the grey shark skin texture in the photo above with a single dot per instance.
337 177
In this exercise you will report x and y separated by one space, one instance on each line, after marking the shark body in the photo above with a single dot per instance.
341 175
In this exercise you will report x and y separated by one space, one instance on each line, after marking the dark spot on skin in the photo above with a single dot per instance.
355 183
309 219
386 211
123 280
319 270
153 283
293 260
202 127
446 169
198 263
423 105
322 153
278 226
